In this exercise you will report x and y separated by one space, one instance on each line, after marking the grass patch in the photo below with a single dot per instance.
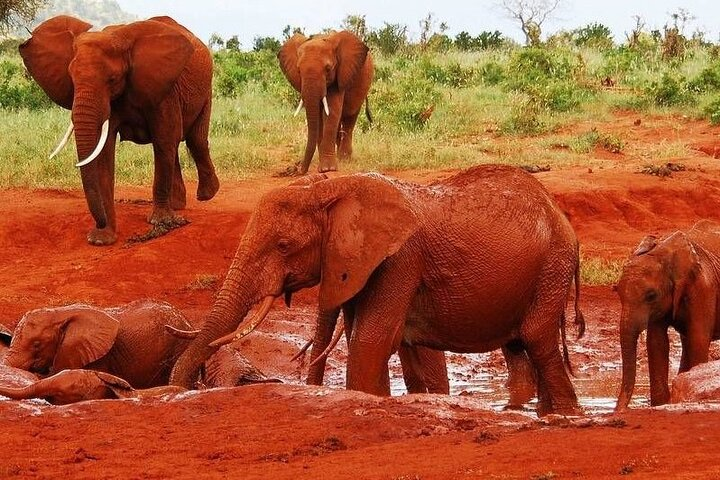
598 271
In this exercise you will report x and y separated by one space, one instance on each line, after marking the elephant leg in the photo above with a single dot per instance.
165 154
521 375
345 140
411 368
197 143
539 333
544 403
684 357
178 195
331 124
379 322
658 347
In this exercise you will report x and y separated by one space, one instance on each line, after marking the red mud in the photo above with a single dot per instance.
293 431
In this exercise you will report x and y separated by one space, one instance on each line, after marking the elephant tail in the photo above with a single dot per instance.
566 354
368 113
579 318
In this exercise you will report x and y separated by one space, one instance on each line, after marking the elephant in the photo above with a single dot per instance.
332 72
672 282
77 385
466 264
149 81
131 342
5 337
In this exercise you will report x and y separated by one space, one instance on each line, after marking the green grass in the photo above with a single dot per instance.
503 106
598 271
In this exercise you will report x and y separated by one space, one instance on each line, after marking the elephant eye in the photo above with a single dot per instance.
283 245
651 296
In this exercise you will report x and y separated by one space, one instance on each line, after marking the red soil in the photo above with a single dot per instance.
294 431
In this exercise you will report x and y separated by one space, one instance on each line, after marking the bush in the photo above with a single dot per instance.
708 80
19 91
390 39
669 91
594 35
713 111
451 75
406 102
235 69
492 73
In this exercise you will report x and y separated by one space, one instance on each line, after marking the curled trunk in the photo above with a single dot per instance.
22 393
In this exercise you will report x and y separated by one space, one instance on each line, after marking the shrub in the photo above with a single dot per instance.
492 73
669 91
18 91
594 35
406 102
452 74
390 39
708 80
712 110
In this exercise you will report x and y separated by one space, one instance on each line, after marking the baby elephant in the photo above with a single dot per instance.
70 386
671 282
131 342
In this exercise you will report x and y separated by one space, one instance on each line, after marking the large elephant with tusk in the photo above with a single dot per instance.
333 73
150 82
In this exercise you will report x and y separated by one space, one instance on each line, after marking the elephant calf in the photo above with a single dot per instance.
131 341
671 282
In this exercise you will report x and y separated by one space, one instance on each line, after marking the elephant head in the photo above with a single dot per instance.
316 66
329 232
86 71
653 284
47 341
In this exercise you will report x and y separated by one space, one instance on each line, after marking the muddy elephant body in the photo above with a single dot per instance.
486 257
333 73
149 82
130 342
673 282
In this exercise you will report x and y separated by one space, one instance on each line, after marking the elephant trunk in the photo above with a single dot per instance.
231 306
327 320
88 118
22 393
312 98
629 334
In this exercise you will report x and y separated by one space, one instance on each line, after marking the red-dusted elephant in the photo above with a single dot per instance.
149 81
333 73
673 282
467 264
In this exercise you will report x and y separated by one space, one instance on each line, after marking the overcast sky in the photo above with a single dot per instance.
251 18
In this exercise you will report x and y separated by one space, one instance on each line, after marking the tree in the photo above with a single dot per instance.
266 43
15 13
356 24
531 14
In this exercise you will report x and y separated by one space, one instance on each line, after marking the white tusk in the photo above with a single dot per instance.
257 320
299 107
63 142
100 145
325 104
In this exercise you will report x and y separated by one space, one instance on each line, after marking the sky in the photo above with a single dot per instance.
252 18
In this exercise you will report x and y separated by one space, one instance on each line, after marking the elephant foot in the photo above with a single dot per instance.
178 202
328 168
207 188
101 236
165 216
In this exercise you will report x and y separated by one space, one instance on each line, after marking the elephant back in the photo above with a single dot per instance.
144 351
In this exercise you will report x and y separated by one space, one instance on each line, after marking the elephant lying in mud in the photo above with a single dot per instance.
467 264
137 342
672 282
131 342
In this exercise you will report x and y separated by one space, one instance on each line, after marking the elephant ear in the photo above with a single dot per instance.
685 268
351 54
48 53
645 245
87 335
5 335
288 56
158 56
368 220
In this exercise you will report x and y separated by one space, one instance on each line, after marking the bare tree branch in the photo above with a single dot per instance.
531 14
16 13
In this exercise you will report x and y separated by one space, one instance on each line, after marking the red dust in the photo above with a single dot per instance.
293 431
